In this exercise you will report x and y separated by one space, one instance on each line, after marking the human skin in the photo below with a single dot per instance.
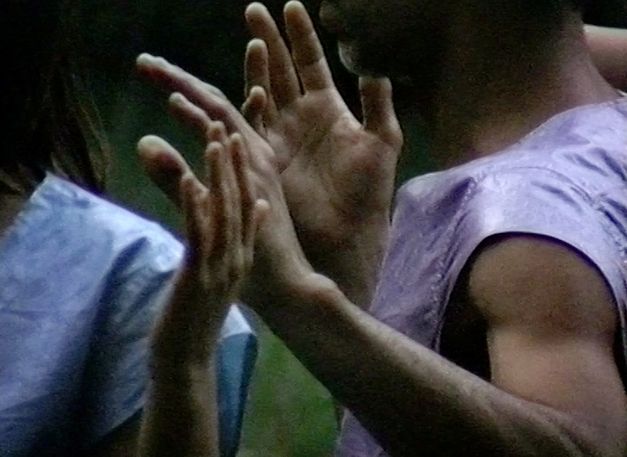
609 52
355 252
529 406
221 219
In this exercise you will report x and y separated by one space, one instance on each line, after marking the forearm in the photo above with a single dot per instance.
180 417
438 409
609 52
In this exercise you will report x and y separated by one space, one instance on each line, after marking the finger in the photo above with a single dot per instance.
241 166
164 165
260 213
283 79
258 74
217 132
378 110
203 95
217 209
191 115
197 232
311 63
166 75
232 199
254 108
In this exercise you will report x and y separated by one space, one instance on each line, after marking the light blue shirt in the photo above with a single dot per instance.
81 283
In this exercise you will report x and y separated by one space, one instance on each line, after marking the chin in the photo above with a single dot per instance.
353 60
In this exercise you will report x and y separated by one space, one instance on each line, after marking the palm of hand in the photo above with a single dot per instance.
337 173
339 176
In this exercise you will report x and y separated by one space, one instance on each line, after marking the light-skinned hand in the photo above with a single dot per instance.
280 266
222 215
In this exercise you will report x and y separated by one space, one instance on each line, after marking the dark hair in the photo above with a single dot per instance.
51 121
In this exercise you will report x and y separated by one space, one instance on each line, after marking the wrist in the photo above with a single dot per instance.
178 341
305 290
179 375
355 262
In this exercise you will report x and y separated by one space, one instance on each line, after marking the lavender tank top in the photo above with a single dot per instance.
567 180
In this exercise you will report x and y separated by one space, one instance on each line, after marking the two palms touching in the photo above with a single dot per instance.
337 173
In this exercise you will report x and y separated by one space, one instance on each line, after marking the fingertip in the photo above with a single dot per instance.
254 9
256 44
262 205
177 99
144 59
213 149
186 184
236 140
257 99
258 91
217 131
151 145
293 6
262 209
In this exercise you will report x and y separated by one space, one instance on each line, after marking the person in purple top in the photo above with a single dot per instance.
498 295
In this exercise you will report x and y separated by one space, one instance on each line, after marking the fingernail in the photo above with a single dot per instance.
177 99
150 145
149 59
145 58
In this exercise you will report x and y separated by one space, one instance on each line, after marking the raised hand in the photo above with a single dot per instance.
221 215
337 173
280 265
221 218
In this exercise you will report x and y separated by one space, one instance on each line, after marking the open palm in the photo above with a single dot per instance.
337 173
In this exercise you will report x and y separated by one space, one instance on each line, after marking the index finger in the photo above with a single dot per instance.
307 51
205 96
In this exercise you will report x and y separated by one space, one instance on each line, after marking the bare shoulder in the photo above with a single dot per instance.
552 330
541 282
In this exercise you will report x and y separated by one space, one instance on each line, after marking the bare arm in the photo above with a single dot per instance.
609 52
180 417
414 401
555 390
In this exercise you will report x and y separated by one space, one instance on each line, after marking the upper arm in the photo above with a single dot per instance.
609 52
552 326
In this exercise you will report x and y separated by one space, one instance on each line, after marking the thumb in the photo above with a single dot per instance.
254 108
164 165
378 110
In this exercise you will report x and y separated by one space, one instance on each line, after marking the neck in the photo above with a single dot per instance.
499 81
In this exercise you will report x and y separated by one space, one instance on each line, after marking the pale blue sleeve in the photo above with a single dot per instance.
117 369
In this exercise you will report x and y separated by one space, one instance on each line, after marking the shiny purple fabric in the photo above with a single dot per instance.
566 180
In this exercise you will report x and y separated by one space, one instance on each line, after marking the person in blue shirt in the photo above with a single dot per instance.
82 280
